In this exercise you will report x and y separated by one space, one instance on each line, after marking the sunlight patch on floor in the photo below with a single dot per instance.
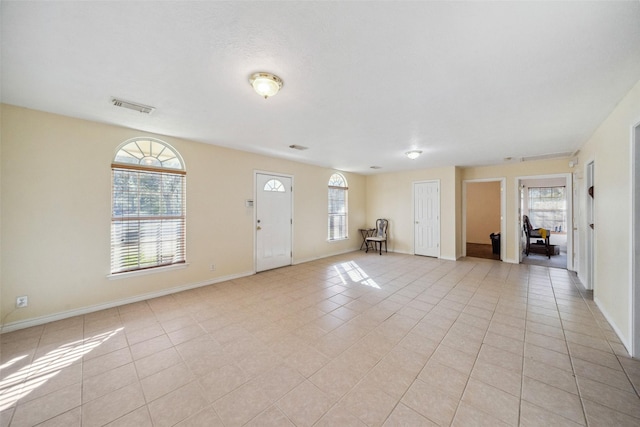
21 383
355 274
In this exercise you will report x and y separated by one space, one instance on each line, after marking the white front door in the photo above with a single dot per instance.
426 202
273 221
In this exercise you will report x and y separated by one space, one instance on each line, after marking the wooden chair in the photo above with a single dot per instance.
379 235
535 233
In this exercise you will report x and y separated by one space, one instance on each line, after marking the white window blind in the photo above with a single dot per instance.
337 225
148 220
548 208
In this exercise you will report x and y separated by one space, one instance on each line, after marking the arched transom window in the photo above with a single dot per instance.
274 185
337 224
148 221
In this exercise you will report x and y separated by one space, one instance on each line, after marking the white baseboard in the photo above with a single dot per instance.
606 315
402 252
303 260
36 321
583 281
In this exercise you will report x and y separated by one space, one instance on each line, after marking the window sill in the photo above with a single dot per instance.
337 240
128 274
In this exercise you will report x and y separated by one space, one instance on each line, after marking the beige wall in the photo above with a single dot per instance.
511 172
483 211
610 149
56 201
390 195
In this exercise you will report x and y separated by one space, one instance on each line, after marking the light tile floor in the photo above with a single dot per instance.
352 340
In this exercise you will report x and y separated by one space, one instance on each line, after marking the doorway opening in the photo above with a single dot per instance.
483 213
547 202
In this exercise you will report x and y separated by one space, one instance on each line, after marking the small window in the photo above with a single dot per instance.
148 206
274 185
337 228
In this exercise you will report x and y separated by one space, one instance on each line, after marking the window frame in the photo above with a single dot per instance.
343 226
148 207
537 215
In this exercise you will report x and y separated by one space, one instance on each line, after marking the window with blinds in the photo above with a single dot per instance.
148 221
548 208
337 228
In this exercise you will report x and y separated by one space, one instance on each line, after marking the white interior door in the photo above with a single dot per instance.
426 202
590 255
273 221
635 272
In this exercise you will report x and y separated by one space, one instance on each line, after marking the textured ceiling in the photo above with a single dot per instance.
468 83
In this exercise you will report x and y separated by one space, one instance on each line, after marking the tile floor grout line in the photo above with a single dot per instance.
573 369
477 356
623 368
456 280
524 342
404 336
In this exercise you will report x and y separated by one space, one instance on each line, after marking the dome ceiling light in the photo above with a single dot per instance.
413 154
265 84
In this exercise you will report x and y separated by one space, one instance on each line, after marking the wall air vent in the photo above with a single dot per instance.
132 106
298 147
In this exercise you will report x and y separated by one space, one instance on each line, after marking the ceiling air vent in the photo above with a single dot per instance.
132 106
298 147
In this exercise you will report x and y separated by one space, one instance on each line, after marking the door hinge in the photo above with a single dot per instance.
291 221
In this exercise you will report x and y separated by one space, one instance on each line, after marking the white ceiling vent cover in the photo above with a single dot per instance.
132 106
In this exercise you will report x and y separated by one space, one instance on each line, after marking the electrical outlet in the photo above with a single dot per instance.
22 302
213 267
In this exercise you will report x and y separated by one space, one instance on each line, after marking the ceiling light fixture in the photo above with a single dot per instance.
145 109
413 154
547 156
265 84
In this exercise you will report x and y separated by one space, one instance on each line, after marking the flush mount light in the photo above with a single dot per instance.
145 109
414 154
265 84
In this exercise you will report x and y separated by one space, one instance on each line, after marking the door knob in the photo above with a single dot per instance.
258 228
